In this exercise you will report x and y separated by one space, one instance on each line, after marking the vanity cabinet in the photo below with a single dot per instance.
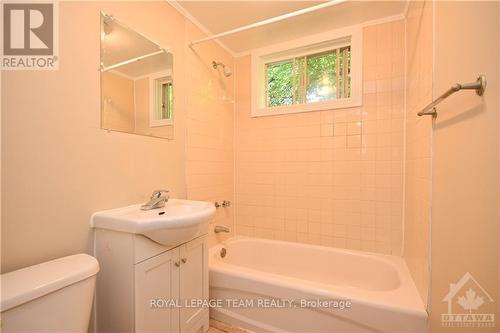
143 286
178 274
157 278
193 282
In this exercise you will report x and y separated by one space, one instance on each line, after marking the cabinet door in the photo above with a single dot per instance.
194 284
157 278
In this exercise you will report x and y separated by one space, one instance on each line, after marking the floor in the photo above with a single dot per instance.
220 327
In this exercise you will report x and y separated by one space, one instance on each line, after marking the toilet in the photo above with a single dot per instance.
54 296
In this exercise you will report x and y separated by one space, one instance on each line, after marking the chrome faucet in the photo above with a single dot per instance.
158 199
219 228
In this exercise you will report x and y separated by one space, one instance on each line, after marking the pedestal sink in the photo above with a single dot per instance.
178 222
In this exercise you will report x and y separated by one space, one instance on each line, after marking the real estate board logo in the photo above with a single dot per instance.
30 36
466 301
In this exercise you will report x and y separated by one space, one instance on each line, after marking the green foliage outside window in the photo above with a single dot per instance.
280 83
309 79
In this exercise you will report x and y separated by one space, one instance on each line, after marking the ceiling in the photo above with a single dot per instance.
120 43
219 16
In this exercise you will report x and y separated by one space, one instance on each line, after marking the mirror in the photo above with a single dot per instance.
137 87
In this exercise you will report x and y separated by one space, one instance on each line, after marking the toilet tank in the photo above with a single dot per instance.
55 296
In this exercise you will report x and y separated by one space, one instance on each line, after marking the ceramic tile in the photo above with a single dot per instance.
332 171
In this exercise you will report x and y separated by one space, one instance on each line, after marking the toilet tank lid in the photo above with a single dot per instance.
35 281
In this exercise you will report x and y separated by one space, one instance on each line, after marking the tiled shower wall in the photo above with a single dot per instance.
334 177
418 143
210 125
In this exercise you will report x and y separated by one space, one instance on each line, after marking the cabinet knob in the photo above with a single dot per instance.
177 264
184 260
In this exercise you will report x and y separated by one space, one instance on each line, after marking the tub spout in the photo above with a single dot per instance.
219 228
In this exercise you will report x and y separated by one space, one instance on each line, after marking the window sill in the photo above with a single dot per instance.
310 107
162 122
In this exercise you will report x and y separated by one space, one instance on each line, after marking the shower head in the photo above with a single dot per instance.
226 70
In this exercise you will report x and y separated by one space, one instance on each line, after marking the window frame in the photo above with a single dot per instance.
154 80
309 45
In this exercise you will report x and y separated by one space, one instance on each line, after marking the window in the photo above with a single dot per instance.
162 97
324 72
308 79
164 103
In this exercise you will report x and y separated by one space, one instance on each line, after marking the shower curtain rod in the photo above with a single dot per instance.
269 21
126 62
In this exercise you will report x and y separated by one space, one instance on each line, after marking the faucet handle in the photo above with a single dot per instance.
158 193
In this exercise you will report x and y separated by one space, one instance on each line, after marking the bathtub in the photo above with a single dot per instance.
274 286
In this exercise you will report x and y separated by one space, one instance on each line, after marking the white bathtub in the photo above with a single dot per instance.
382 293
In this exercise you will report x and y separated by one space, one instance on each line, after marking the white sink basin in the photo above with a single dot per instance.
179 221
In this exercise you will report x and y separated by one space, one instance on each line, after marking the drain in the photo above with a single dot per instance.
223 252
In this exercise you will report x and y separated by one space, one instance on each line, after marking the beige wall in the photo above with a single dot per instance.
118 102
333 177
419 61
210 127
141 95
125 106
58 166
465 205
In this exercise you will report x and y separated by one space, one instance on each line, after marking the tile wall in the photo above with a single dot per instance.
418 144
333 177
210 127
